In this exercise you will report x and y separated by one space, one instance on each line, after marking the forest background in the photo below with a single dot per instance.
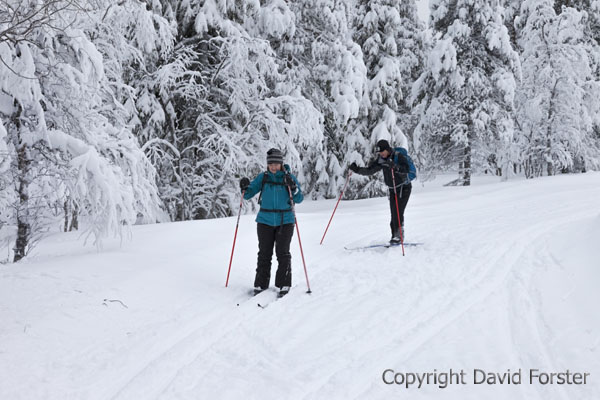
121 112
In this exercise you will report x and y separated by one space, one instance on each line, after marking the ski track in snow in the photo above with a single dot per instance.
470 291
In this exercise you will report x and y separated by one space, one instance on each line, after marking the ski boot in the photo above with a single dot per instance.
257 290
283 291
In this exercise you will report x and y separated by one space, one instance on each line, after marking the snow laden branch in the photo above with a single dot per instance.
66 135
20 18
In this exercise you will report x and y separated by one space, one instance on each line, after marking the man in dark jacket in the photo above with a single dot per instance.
398 171
275 220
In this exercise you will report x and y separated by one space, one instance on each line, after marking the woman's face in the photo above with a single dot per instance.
274 167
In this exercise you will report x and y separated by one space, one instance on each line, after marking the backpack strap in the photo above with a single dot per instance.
262 186
401 161
265 180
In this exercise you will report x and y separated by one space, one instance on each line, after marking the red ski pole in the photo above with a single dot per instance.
336 206
299 241
398 211
235 237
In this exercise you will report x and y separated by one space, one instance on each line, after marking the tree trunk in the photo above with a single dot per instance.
466 170
23 223
23 230
66 210
23 168
464 167
74 219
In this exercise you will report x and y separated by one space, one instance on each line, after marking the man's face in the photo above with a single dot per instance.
274 167
384 153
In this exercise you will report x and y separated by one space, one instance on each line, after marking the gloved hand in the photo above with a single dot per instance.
290 182
353 167
244 183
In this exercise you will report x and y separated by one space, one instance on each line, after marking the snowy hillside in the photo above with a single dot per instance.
507 278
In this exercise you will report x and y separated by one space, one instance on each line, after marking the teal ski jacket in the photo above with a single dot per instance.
275 207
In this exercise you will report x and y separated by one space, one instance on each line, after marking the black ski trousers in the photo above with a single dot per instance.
403 192
279 236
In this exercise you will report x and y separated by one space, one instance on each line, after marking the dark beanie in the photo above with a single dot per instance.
274 156
383 145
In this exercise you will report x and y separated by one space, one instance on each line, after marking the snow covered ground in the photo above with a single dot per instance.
507 278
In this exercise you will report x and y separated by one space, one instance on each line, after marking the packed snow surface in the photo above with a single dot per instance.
507 278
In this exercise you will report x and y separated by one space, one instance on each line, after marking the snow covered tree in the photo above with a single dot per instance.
324 64
594 22
511 10
65 138
580 5
466 93
135 39
391 38
7 195
413 46
225 107
558 99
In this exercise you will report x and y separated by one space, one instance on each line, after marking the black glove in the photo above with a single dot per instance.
290 182
244 183
353 167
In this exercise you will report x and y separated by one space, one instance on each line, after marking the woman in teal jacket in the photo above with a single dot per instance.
275 220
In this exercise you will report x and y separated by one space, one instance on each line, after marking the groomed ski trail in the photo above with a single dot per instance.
315 347
467 299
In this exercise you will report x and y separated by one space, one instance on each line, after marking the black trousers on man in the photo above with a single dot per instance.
403 192
279 236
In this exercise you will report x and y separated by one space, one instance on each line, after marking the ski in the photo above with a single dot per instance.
265 301
252 296
266 304
383 245
264 298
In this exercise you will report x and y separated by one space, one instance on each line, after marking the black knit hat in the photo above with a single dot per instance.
274 156
383 145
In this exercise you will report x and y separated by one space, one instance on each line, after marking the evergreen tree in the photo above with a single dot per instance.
558 103
466 93
391 39
581 5
413 46
226 104
136 39
326 66
511 12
